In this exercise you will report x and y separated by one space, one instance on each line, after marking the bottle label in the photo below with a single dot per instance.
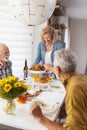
25 74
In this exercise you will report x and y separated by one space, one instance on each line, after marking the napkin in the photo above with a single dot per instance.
50 111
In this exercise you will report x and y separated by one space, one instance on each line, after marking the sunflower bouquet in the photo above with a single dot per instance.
11 87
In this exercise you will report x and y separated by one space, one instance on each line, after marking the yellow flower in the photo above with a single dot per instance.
11 87
7 87
12 78
18 84
25 86
3 81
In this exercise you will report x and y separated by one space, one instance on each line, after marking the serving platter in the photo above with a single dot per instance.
37 72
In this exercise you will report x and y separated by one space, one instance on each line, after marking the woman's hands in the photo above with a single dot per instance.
48 67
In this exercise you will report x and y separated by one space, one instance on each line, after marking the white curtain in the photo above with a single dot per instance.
18 38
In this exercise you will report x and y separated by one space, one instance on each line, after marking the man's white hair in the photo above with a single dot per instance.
2 45
66 59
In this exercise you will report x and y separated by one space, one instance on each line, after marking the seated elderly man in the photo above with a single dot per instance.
5 63
65 63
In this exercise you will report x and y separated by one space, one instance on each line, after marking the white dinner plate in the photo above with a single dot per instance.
37 72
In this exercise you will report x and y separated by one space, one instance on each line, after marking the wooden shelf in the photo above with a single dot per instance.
54 21
59 10
62 26
58 26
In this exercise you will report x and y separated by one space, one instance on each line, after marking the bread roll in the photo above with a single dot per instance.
37 67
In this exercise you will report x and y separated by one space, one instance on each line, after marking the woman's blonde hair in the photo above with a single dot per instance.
51 31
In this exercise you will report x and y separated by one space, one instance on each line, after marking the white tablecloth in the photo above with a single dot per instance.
22 119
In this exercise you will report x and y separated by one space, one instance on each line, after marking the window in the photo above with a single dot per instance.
18 38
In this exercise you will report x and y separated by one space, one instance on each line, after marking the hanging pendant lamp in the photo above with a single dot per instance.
32 12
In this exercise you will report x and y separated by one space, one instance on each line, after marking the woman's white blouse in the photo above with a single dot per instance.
48 57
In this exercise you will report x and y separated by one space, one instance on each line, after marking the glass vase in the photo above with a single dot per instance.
9 107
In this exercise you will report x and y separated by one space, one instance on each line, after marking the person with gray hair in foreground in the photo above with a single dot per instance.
5 63
65 63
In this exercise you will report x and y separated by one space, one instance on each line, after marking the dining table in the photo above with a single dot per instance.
50 99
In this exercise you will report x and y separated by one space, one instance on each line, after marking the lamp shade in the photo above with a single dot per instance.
32 12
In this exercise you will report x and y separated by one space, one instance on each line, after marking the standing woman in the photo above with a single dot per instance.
48 45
